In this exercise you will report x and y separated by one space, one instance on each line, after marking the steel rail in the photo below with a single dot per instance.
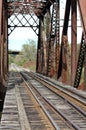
68 119
67 91
61 94
43 108
52 106
58 111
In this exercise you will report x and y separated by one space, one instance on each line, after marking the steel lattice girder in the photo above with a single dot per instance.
23 20
30 6
24 8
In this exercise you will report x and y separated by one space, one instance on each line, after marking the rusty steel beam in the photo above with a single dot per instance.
37 7
3 44
80 62
0 16
73 39
48 29
82 9
62 71
41 46
44 64
66 17
53 41
84 84
57 44
1 3
39 59
2 47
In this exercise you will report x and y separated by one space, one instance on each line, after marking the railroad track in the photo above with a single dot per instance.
36 116
69 111
78 99
62 114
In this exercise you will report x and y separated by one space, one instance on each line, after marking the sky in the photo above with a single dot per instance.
21 35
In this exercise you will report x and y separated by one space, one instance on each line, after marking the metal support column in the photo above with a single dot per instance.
39 66
0 38
42 46
84 87
57 40
48 29
5 40
73 39
62 71
2 88
52 65
44 53
82 8
82 53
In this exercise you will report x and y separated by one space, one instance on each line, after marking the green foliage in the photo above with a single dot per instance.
20 60
29 50
28 54
11 59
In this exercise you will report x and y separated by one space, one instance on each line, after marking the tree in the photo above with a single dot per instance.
11 59
27 56
29 50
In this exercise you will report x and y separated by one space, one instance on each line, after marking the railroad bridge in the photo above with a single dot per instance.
59 55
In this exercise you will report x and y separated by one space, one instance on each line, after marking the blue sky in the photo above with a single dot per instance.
19 37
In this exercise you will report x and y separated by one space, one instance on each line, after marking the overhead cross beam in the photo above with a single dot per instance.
23 20
32 8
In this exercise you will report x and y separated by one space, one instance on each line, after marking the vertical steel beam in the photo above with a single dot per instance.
38 64
2 47
3 38
48 29
73 39
62 71
80 62
82 8
57 46
52 40
5 42
2 88
0 37
0 16
40 47
84 87
44 64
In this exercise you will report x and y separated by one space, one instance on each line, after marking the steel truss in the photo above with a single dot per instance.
23 20
55 57
20 14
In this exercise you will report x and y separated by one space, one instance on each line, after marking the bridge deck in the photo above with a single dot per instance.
13 116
